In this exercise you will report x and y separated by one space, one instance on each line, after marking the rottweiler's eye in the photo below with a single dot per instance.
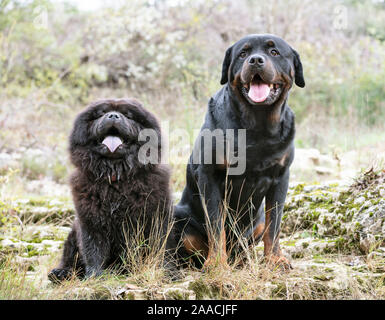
274 52
243 54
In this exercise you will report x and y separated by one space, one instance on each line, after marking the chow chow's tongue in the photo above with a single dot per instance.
112 143
259 92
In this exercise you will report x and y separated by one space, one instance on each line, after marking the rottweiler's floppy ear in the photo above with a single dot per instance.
226 65
299 79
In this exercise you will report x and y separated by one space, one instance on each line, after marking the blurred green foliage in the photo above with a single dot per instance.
54 57
153 46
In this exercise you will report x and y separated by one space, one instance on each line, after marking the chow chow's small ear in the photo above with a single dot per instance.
299 79
226 65
79 133
143 116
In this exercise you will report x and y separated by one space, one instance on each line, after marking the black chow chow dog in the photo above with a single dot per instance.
217 209
115 194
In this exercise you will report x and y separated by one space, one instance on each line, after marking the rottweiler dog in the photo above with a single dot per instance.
219 209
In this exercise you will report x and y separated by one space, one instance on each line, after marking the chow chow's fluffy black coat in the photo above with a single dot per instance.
115 194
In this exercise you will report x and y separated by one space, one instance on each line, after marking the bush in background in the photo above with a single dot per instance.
54 59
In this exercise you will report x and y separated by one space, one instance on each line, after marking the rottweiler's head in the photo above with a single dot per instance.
261 68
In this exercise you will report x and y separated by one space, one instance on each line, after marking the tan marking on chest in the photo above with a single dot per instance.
283 160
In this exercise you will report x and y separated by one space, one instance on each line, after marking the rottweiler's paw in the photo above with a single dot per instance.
58 275
278 262
213 263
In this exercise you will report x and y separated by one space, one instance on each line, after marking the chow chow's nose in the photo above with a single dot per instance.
113 116
257 60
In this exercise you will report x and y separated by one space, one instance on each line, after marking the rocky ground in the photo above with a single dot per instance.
332 232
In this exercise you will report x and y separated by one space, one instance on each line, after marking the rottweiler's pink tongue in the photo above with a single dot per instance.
259 92
112 143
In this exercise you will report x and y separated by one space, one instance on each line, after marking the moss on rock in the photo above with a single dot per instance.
355 214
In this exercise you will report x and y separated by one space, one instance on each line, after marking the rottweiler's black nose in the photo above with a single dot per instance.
113 116
257 60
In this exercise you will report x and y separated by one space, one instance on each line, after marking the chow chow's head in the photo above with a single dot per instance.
104 139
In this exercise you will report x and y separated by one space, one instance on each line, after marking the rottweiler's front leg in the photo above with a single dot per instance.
217 253
275 200
212 198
